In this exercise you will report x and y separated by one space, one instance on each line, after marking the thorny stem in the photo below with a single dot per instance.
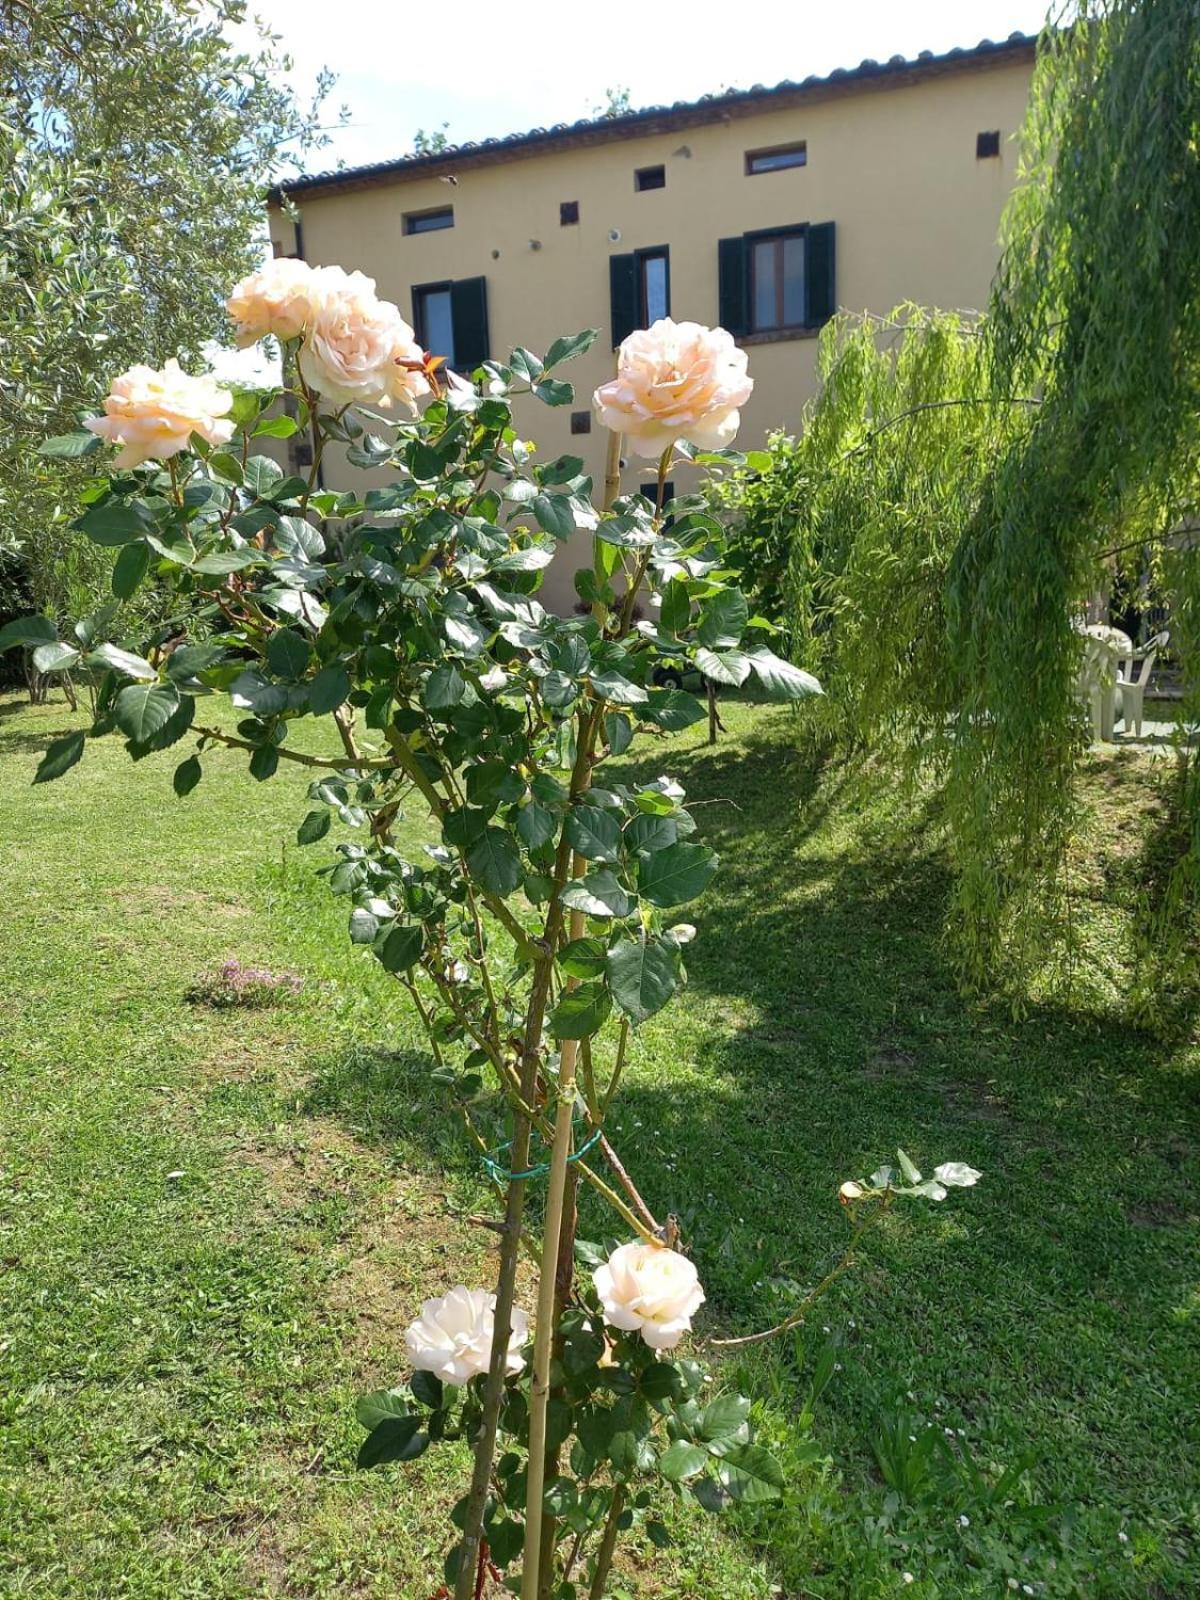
608 1544
805 1306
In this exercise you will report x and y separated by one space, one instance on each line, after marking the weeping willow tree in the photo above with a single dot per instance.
962 487
1096 308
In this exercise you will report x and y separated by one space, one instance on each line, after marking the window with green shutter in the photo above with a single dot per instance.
639 289
777 280
450 320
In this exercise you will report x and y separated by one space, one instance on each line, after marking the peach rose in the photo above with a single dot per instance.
355 343
675 380
280 298
151 415
648 1289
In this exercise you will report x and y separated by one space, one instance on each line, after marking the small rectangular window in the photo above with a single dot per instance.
654 286
777 158
568 212
434 310
429 221
777 282
650 178
581 422
987 145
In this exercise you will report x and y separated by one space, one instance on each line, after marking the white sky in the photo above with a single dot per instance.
490 69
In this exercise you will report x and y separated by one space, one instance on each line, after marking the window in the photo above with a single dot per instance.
435 320
654 287
451 320
568 212
640 289
581 422
429 221
987 145
650 178
777 158
777 281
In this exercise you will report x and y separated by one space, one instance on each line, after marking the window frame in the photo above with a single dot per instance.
427 216
420 330
568 213
796 146
765 236
654 252
639 173
987 144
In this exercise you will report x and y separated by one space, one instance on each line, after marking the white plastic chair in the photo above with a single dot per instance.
1133 689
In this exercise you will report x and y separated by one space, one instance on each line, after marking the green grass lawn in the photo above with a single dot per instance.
214 1224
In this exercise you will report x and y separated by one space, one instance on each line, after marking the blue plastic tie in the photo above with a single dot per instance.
501 1174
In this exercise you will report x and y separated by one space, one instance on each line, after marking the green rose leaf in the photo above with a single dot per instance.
597 895
328 690
593 833
70 446
568 347
677 874
141 709
444 688
554 514
583 958
495 861
116 524
395 1439
724 1418
264 763
187 775
61 755
648 834
315 826
364 925
129 569
751 1474
618 730
682 1460
381 1406
401 948
641 975
536 825
288 653
581 1012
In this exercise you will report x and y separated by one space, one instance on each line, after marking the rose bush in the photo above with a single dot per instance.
538 930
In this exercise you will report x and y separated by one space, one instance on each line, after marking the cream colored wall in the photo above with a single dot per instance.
916 213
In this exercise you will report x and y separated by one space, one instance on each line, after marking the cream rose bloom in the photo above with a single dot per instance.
648 1289
453 1336
150 415
279 299
354 344
675 380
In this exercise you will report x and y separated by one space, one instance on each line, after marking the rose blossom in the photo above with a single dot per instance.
280 298
151 415
675 380
354 342
850 1191
648 1289
957 1174
453 1336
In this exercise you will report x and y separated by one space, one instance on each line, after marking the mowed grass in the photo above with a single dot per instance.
214 1224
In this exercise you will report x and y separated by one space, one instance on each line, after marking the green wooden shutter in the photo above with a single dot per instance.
819 274
623 296
468 309
733 295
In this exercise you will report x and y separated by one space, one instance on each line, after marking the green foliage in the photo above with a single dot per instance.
135 145
964 487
